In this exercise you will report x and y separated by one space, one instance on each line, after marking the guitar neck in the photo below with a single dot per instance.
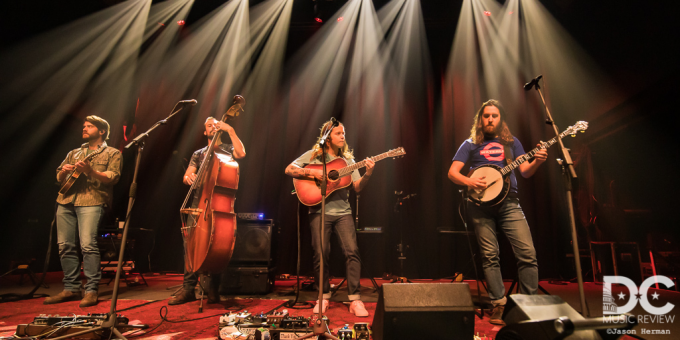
349 169
527 156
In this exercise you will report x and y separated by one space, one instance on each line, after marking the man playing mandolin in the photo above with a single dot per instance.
229 144
491 142
338 213
81 208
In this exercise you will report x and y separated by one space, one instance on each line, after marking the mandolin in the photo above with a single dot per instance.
75 173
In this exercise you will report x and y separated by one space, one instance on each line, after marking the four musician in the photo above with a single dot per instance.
491 142
80 210
229 144
338 214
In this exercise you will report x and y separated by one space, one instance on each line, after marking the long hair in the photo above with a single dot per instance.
345 152
477 131
101 124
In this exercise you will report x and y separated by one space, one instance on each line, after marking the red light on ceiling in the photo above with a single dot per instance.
511 12
318 19
340 19
487 13
181 23
162 24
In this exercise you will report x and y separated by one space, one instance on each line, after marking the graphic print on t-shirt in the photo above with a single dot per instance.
493 152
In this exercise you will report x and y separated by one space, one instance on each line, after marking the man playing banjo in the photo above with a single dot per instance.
491 142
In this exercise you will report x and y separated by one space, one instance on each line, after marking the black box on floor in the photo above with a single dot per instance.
247 280
424 311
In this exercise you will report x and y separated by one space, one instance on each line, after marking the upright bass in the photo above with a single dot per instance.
209 228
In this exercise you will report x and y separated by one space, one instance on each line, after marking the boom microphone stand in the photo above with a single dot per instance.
111 322
568 173
320 329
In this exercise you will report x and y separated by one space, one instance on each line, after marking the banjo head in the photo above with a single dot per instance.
494 180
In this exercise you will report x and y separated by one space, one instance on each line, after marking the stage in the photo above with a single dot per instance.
142 305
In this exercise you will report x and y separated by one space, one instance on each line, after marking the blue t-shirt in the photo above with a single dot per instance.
489 152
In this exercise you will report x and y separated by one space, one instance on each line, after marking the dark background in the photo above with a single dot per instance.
626 160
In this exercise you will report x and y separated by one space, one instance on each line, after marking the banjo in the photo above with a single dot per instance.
498 178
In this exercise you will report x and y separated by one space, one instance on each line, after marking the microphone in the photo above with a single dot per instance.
533 82
189 101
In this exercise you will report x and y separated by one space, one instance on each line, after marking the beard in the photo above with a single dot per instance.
490 132
89 137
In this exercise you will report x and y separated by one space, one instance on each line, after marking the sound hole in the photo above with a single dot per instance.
333 175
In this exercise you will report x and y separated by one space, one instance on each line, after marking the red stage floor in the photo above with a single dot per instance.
142 304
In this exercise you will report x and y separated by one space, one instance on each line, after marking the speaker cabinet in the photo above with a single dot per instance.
247 280
254 242
424 311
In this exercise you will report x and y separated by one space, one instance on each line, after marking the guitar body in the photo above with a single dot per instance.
497 190
309 191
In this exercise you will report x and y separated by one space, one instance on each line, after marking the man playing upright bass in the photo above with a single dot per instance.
491 142
338 214
230 145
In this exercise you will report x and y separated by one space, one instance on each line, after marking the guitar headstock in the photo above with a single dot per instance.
579 126
398 152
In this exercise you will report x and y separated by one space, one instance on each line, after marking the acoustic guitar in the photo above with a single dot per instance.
338 173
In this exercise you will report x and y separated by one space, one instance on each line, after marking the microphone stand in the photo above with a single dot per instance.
568 174
111 322
320 329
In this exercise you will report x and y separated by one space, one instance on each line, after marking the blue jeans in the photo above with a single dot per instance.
509 217
85 222
344 228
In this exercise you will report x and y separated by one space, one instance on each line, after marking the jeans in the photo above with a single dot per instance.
83 221
509 217
344 229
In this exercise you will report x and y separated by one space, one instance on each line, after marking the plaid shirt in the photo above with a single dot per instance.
90 192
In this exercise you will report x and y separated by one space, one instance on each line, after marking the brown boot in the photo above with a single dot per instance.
183 296
90 299
497 316
65 295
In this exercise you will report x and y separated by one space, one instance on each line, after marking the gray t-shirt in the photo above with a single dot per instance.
337 203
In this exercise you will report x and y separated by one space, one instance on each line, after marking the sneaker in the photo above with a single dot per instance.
65 295
325 306
357 307
497 315
90 299
184 296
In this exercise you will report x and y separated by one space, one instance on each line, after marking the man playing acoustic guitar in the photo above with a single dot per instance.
492 143
80 210
338 214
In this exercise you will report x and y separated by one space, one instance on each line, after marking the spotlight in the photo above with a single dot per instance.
181 23
487 13
318 20
340 19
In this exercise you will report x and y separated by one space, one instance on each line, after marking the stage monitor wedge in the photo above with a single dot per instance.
424 311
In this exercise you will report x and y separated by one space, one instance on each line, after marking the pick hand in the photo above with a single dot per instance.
191 178
477 183
67 167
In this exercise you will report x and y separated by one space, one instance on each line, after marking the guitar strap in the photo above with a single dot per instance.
508 154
